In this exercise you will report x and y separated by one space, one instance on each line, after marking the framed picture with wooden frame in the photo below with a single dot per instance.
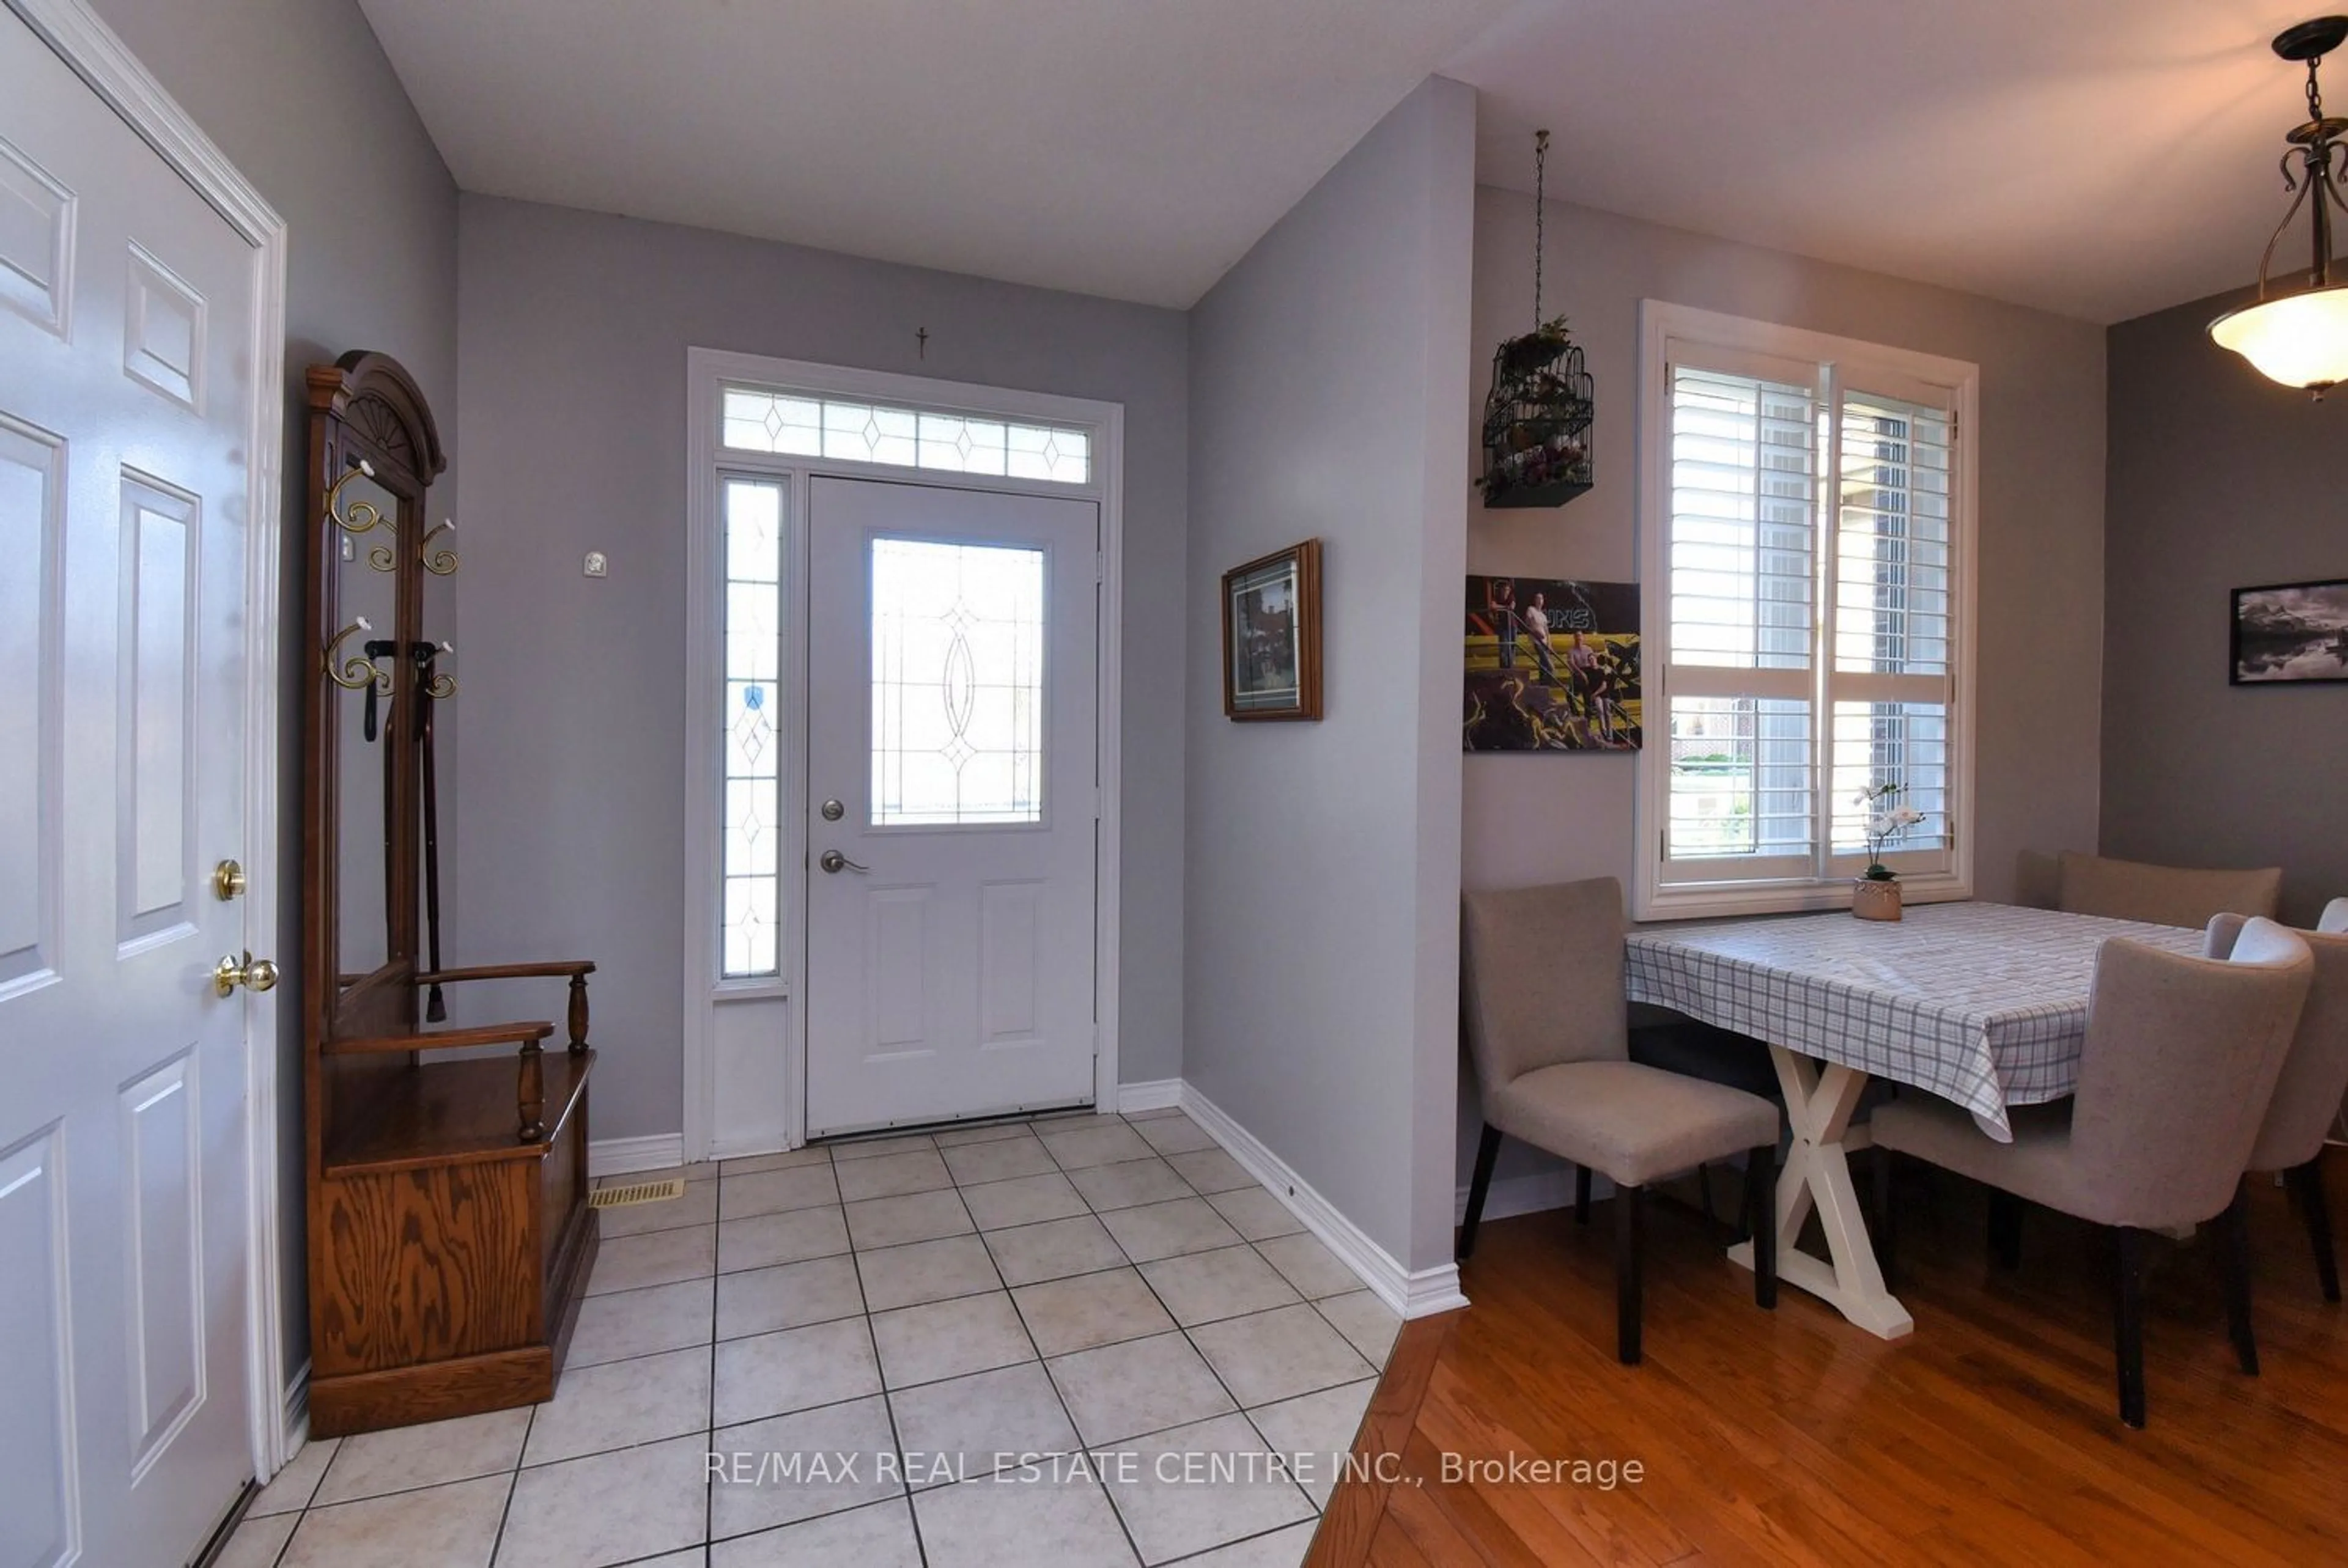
1272 635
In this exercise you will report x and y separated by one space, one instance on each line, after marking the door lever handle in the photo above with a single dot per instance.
834 862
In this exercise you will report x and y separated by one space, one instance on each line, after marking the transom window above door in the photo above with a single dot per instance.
796 424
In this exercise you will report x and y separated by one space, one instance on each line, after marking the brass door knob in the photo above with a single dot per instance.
254 974
228 880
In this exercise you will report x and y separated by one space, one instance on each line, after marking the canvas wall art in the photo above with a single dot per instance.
1552 666
2291 631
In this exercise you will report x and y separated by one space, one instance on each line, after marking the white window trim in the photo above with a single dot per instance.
707 374
1653 898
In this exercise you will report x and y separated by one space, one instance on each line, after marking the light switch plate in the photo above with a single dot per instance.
597 565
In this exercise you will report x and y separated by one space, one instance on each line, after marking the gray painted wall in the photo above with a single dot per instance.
298 95
2220 480
1328 398
572 371
1533 819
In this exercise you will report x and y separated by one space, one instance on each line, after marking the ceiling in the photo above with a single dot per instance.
1134 148
2096 157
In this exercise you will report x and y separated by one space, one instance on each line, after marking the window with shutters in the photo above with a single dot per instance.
1807 575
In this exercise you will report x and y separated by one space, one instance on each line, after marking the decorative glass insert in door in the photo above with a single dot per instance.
957 683
753 530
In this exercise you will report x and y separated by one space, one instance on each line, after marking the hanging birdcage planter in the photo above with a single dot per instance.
1537 421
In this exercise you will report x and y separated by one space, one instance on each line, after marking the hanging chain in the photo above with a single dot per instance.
2320 147
1541 216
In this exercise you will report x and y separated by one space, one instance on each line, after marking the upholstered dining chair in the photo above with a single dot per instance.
2162 895
2334 921
2179 1065
2037 880
1677 1043
1547 1028
2308 1094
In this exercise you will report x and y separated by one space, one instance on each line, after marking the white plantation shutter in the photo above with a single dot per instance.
1744 498
1743 578
1892 685
1804 619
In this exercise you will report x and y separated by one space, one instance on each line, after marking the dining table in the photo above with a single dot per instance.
1982 1004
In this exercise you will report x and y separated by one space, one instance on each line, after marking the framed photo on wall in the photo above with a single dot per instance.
2287 632
1272 635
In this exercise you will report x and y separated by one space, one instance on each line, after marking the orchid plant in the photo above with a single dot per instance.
1886 820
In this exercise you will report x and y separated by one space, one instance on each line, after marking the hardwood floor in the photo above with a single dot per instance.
1989 1436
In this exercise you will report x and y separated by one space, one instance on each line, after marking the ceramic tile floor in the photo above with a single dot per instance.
827 1357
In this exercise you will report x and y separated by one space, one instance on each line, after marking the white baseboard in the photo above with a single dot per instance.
1414 1295
1432 1290
621 1157
1158 1094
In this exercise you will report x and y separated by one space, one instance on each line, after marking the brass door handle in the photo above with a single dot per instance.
834 862
254 974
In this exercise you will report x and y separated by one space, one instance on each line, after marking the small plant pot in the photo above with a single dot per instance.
1875 898
1523 355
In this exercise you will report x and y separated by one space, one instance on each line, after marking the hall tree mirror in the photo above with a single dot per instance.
451 1237
366 590
435 661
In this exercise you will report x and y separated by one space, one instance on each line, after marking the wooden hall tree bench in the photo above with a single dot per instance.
450 1237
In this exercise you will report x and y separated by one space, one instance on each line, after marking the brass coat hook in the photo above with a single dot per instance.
360 517
441 562
355 673
442 686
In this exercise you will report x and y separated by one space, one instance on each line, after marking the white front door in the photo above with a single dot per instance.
953 802
126 394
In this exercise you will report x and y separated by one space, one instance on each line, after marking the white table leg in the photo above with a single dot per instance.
1818 1105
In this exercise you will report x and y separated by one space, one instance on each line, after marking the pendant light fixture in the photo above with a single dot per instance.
2300 338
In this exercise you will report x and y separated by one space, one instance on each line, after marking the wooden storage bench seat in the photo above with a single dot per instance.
451 1237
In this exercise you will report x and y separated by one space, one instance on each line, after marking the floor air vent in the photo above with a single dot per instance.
637 1192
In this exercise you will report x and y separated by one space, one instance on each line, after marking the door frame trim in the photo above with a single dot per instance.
101 59
707 371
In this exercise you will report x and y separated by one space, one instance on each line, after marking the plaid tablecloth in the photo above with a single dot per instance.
1984 1004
